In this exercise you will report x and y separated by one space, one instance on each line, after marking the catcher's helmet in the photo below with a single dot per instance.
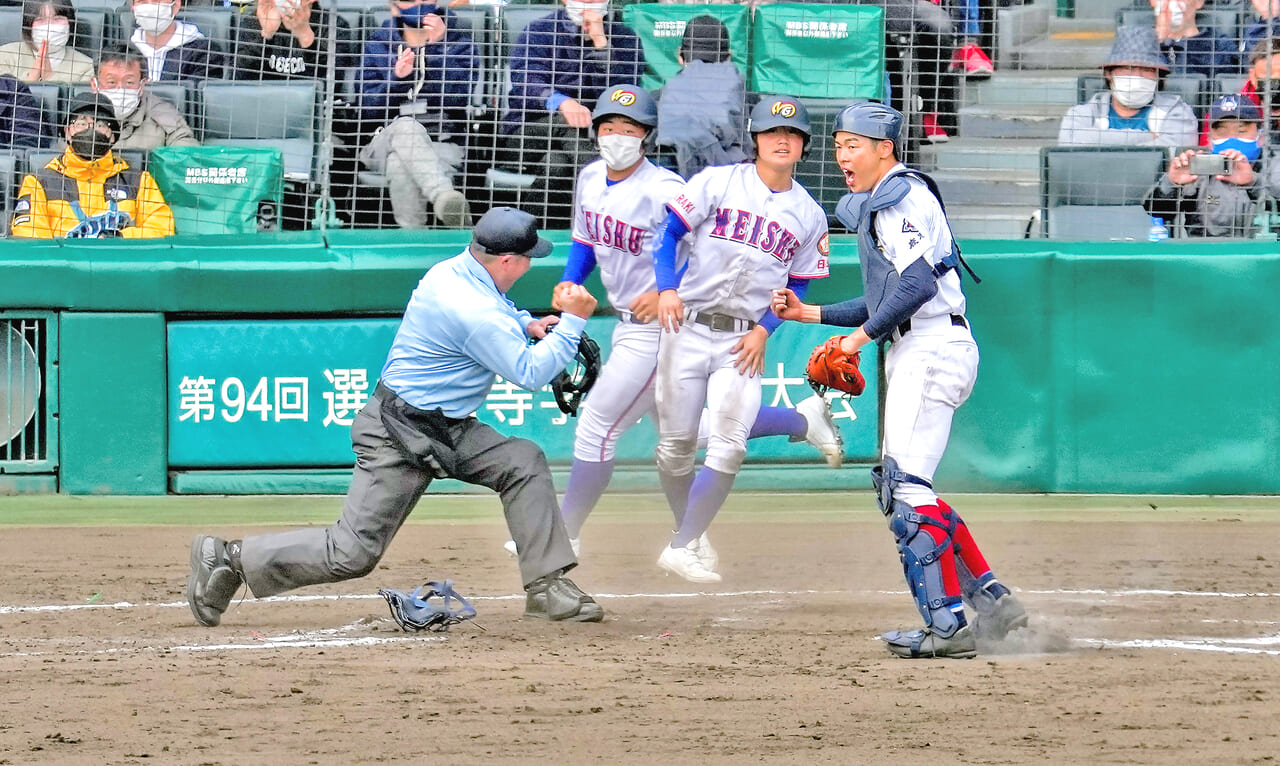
626 100
873 120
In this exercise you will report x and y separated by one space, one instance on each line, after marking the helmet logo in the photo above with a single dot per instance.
623 97
784 109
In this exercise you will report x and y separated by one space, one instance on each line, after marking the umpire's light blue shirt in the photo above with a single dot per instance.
458 331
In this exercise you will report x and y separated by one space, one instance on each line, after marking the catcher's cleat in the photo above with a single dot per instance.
212 582
1006 617
705 553
574 542
821 431
916 644
685 563
554 597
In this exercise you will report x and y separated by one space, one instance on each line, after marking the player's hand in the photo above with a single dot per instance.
404 63
645 307
750 351
593 28
578 301
577 115
538 328
670 310
787 305
854 341
557 294
1241 169
1180 168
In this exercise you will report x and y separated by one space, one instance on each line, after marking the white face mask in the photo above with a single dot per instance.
153 18
575 9
53 34
1133 91
125 100
1177 12
620 152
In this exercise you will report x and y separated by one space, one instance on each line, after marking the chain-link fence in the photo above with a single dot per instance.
1066 119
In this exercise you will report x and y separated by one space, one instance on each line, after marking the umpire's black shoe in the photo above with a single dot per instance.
555 597
212 582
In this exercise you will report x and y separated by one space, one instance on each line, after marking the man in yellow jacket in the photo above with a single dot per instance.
89 192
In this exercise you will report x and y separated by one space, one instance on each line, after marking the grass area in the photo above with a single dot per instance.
65 510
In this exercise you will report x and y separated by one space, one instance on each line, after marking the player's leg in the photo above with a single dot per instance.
996 610
809 421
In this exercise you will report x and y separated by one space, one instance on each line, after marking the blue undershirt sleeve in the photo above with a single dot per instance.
916 285
850 313
582 261
771 321
664 258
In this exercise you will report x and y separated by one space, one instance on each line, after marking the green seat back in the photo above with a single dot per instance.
661 28
819 51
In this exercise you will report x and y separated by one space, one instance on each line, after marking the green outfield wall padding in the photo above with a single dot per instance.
112 401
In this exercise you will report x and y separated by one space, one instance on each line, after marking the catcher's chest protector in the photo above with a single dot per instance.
857 213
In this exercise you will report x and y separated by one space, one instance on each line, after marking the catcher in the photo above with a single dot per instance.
912 300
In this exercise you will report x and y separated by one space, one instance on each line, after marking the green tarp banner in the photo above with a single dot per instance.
818 51
220 189
277 394
661 27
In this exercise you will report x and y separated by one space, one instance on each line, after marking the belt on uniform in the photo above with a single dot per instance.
957 320
628 318
721 322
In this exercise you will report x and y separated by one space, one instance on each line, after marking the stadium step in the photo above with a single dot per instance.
989 187
1010 121
1020 89
983 154
1080 50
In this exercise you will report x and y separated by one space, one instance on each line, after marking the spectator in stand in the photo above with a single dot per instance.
1264 23
414 88
88 191
969 59
702 110
44 54
1264 78
20 123
289 39
559 65
146 120
1133 111
1220 205
1190 49
173 50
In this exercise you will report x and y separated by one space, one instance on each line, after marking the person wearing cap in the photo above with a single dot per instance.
412 96
1219 205
1190 49
458 331
88 191
1133 111
702 111
913 301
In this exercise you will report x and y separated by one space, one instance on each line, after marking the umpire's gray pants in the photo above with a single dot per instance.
384 489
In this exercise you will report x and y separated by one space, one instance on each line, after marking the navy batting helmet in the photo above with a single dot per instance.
780 111
630 101
867 118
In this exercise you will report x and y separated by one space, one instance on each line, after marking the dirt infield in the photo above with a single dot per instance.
1155 639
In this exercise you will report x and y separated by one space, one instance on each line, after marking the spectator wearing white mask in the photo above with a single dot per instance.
44 54
146 120
173 50
1133 111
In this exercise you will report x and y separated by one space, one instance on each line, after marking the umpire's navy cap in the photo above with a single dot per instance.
507 230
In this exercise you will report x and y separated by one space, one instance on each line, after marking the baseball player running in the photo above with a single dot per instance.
619 202
751 229
912 300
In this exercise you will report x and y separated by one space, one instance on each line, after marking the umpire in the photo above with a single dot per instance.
458 331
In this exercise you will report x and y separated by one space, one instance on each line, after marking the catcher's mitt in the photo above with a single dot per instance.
829 367
414 611
571 385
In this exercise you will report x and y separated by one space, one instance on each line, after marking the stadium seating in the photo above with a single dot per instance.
1224 84
1096 192
1195 89
10 25
50 97
1224 21
278 114
9 162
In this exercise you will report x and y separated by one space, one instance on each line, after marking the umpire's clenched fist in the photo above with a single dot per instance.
574 299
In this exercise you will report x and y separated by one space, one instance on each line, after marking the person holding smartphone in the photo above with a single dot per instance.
1216 191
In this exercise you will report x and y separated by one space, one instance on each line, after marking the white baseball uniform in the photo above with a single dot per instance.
619 220
745 241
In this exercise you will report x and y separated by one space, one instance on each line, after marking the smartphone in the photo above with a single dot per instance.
1209 165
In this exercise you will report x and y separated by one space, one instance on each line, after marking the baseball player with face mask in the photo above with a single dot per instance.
913 301
620 201
742 231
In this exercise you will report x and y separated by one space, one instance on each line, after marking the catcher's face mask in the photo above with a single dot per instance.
571 385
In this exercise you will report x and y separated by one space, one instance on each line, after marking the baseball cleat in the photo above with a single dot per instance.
555 597
1007 616
916 644
821 431
212 582
510 546
685 563
705 553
